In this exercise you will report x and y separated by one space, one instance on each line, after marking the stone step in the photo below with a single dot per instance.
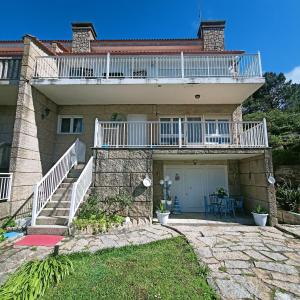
79 167
69 180
66 185
47 230
55 212
74 173
43 220
58 197
63 191
58 204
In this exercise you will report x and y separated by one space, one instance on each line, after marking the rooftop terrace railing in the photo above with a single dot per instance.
10 68
148 66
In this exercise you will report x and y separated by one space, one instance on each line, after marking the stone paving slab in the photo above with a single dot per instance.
248 262
12 257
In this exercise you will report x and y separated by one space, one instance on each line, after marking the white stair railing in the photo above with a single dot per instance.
46 187
5 185
80 188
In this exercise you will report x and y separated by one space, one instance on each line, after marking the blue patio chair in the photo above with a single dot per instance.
227 206
208 208
239 204
214 203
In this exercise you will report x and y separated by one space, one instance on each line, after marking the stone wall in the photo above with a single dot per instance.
255 188
118 171
213 39
288 172
34 131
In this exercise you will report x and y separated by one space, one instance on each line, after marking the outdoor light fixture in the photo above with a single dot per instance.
197 96
147 181
45 113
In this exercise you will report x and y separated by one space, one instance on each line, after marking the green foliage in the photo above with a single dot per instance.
91 215
117 203
166 269
162 208
32 279
288 197
221 192
8 222
2 238
260 210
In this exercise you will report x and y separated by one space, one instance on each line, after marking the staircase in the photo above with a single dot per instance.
58 195
54 217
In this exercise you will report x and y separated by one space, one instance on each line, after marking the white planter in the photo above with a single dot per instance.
169 202
163 217
260 219
163 201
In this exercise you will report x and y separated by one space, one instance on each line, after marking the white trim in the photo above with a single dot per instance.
71 117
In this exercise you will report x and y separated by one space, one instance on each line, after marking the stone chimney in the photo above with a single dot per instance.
212 33
83 34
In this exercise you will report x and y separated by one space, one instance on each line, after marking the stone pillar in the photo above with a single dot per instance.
212 33
34 130
255 188
118 171
83 34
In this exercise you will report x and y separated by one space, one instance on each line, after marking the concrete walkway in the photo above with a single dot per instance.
248 262
12 257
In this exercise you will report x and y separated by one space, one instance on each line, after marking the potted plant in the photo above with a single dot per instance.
260 216
163 214
221 192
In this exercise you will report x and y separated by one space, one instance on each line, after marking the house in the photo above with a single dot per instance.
106 114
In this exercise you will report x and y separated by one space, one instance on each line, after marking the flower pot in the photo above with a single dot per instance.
163 217
260 219
163 201
169 202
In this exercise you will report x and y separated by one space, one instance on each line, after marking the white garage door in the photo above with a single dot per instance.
192 183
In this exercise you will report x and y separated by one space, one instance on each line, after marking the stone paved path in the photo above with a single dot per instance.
248 262
12 257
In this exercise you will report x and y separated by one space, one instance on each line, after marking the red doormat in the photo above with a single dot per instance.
39 240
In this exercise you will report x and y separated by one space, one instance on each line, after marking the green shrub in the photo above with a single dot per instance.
33 278
8 222
117 204
260 210
288 197
2 238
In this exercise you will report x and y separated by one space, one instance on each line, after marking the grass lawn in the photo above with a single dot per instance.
166 269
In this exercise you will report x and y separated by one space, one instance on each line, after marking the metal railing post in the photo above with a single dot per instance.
96 134
34 205
259 64
182 65
265 132
179 133
107 65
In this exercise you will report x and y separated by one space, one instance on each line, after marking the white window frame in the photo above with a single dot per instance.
71 117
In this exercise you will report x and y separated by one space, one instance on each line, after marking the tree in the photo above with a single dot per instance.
276 93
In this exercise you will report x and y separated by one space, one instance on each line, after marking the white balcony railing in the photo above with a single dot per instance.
180 134
149 66
5 186
10 68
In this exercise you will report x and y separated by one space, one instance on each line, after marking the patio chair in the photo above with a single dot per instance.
227 206
214 202
208 207
239 204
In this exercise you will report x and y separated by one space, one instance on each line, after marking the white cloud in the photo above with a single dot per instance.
294 75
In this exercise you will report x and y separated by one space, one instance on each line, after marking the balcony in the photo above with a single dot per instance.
177 77
10 68
181 134
9 78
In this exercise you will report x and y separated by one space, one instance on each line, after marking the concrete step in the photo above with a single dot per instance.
55 212
79 167
58 204
69 180
66 185
63 191
47 230
74 173
65 197
43 220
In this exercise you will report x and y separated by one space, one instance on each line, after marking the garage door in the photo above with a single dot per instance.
192 183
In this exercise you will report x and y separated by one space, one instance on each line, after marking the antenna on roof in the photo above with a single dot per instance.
200 11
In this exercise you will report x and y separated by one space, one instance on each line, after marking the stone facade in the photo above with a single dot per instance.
118 171
34 131
255 188
83 34
7 119
212 34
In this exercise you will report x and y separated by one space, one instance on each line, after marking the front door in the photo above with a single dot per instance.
191 183
137 130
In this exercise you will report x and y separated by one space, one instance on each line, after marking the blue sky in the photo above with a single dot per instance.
271 26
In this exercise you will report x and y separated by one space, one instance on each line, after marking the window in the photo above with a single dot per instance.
217 131
70 125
